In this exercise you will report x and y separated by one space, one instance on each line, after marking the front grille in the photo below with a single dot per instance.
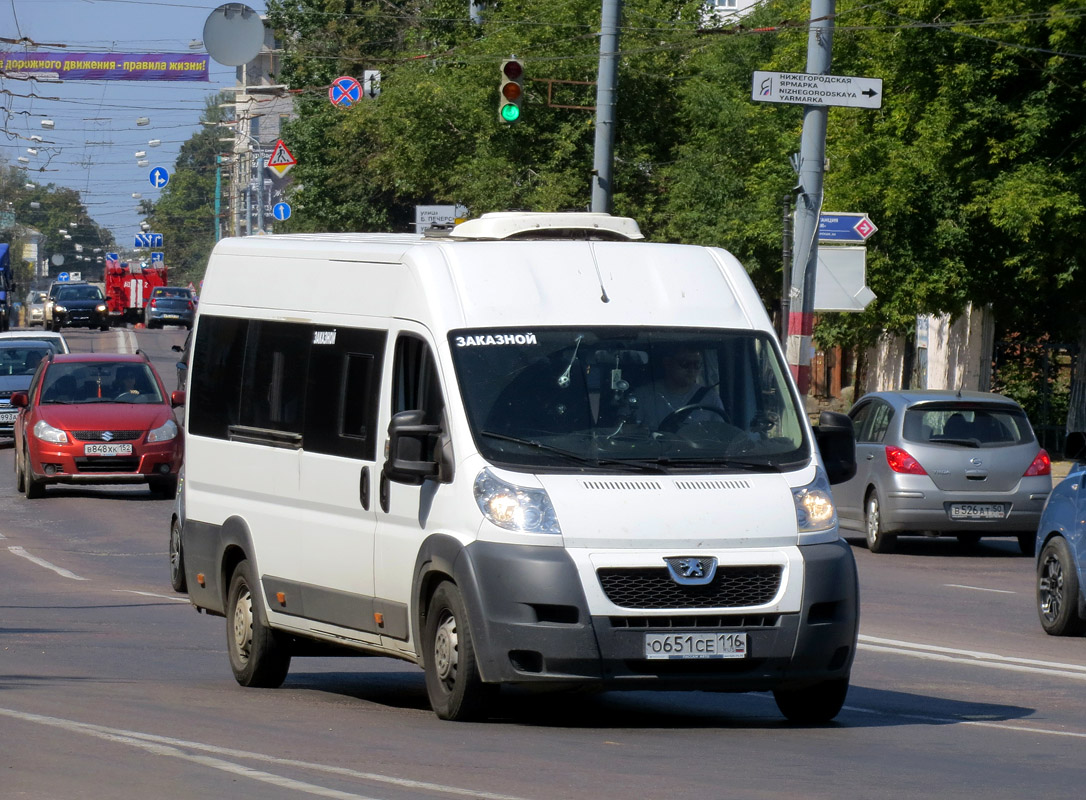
707 621
652 587
96 436
5 395
107 464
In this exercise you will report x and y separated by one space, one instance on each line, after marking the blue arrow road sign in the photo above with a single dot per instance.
159 177
63 276
148 240
158 257
281 211
156 239
844 227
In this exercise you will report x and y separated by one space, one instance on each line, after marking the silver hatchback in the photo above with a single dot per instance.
943 462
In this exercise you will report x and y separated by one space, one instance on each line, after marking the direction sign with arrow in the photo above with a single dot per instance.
802 88
834 226
371 79
159 177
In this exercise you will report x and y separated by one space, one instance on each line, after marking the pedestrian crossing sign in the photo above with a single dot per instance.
280 159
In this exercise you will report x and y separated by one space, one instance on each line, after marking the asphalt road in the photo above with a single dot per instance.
112 686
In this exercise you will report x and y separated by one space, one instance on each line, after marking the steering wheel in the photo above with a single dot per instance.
674 420
126 397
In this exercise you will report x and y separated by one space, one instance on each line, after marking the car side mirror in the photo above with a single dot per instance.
1074 448
416 451
837 444
177 398
20 399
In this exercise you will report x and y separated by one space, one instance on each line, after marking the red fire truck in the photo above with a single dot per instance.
128 288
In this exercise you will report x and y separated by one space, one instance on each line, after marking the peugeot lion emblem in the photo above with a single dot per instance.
691 570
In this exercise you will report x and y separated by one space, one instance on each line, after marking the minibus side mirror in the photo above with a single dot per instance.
837 444
1074 448
412 448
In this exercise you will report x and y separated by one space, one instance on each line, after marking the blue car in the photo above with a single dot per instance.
1061 549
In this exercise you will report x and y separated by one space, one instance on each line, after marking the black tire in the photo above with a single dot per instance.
19 471
165 488
257 658
177 558
1058 590
453 683
878 540
1027 542
812 705
104 326
32 488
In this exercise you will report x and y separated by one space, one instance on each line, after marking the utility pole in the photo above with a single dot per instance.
812 158
607 81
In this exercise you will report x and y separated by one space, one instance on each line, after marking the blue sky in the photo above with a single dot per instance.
95 136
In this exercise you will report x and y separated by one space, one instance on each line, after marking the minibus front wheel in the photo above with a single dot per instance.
453 684
256 657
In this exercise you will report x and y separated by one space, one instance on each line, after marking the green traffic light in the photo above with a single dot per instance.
510 112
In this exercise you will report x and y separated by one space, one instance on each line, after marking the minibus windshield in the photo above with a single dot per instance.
628 399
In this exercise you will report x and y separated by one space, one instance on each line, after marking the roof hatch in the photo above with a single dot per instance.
536 225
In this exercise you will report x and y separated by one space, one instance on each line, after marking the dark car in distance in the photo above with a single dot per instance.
80 305
18 361
169 305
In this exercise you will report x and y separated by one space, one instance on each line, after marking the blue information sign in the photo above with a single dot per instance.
281 211
63 276
159 177
844 227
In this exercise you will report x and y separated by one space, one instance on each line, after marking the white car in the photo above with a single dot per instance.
55 339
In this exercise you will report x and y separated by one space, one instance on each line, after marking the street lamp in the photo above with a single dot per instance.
254 143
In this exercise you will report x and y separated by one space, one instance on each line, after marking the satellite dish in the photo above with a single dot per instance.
233 34
57 259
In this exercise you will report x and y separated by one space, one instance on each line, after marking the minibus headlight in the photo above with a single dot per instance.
816 515
163 433
515 508
47 433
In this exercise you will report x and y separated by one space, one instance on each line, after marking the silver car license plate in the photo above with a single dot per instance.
695 645
107 449
8 416
978 511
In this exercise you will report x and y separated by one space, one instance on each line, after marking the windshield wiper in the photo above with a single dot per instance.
730 463
644 466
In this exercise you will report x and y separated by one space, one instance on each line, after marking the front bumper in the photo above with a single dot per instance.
533 627
52 463
78 318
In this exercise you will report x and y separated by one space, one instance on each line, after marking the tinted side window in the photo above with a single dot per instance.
343 392
415 380
273 383
880 422
215 387
860 419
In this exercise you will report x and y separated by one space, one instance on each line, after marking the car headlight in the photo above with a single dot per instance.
816 514
163 433
515 508
100 307
59 309
47 433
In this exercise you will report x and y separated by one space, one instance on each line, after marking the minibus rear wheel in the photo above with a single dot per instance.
453 683
256 656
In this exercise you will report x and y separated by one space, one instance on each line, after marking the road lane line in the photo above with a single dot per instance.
173 597
126 341
1002 726
932 652
41 562
168 746
978 588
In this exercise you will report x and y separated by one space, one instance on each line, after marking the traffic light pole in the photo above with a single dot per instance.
812 157
607 80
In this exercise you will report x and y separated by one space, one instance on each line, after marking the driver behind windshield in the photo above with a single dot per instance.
679 384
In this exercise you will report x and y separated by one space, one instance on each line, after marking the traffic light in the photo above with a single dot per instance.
512 90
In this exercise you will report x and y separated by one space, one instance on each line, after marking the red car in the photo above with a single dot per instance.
97 418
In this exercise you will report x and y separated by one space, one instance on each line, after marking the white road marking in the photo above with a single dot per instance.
977 588
1002 726
153 594
932 652
41 562
175 748
126 341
